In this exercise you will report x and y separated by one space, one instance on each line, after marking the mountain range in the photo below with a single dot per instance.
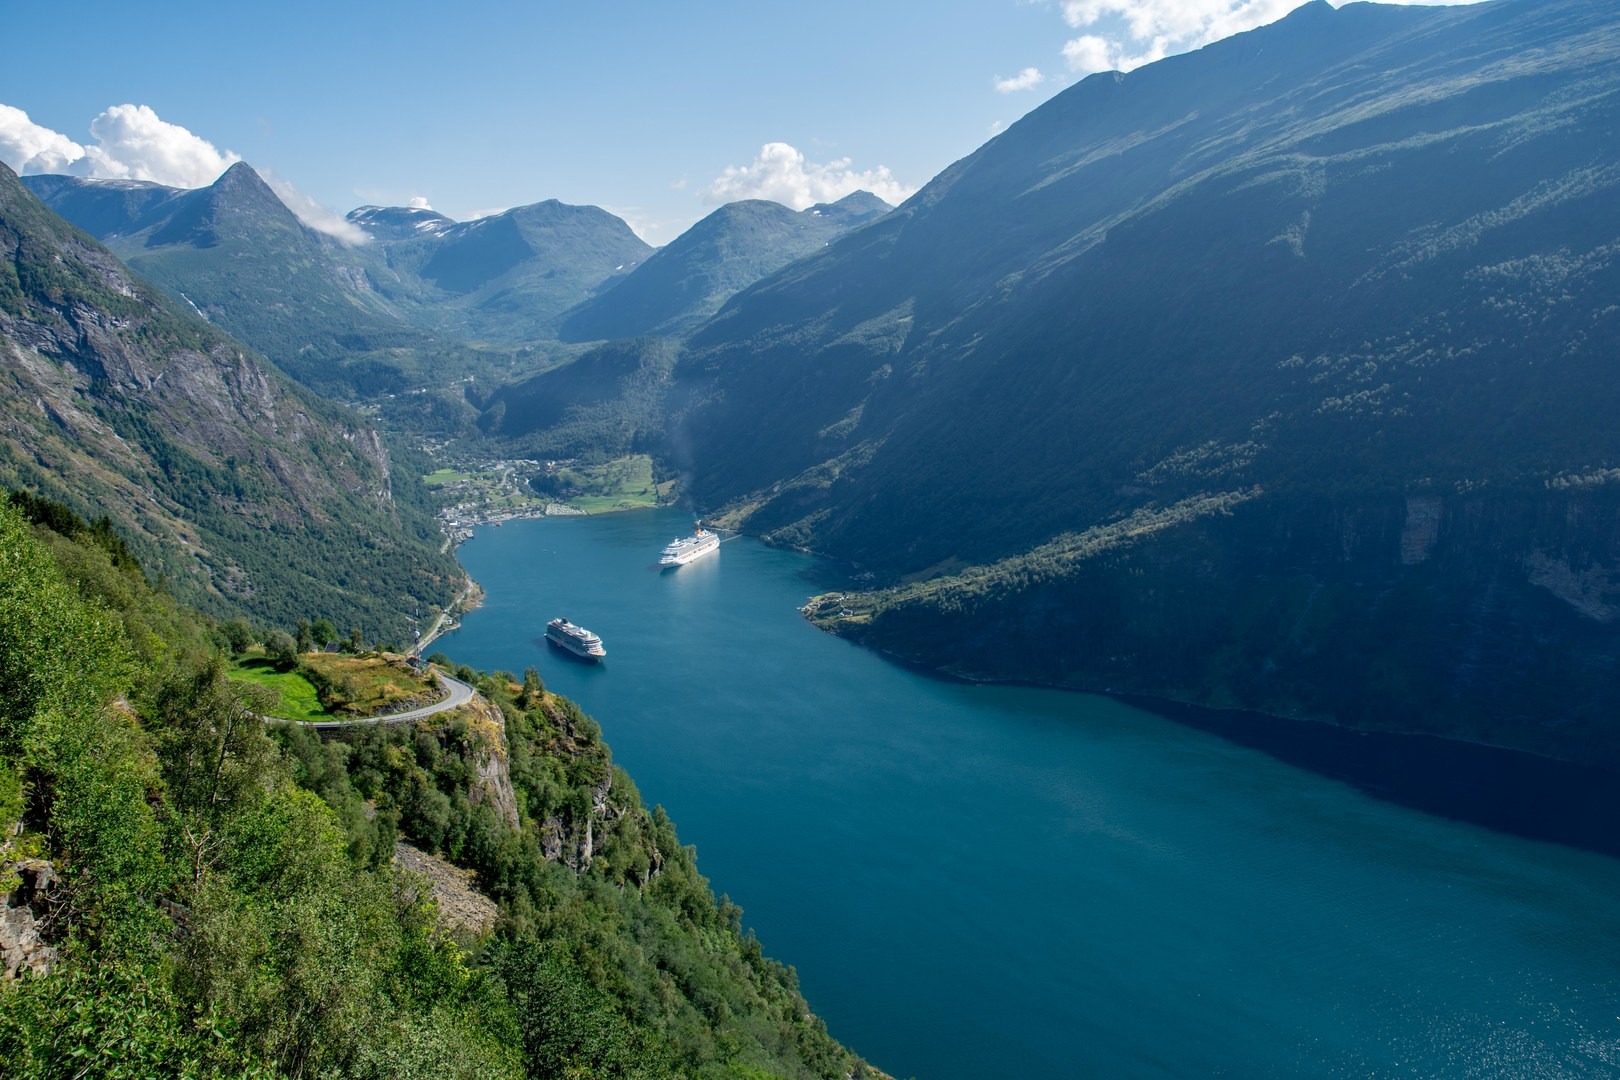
429 301
236 256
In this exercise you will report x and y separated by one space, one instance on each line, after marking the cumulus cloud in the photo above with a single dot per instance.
419 202
1027 79
29 148
781 173
133 143
1125 34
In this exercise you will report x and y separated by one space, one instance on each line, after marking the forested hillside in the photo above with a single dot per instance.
241 491
196 892
1275 375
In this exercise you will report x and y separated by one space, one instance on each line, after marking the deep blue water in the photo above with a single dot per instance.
977 881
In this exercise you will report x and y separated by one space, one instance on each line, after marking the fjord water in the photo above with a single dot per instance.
977 881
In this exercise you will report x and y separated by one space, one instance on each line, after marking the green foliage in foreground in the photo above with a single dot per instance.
229 907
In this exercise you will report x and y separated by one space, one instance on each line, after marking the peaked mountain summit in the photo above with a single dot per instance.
237 256
505 278
685 282
398 222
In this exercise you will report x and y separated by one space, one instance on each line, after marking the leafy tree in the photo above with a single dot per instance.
325 633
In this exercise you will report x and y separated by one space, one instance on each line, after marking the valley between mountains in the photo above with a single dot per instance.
1277 377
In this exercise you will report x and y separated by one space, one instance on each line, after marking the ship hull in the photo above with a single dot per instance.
576 641
574 654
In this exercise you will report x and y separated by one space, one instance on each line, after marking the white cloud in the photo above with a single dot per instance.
1027 79
133 143
1090 52
997 127
1125 34
29 148
781 172
419 202
312 213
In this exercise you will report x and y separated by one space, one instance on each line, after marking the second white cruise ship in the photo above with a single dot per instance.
683 550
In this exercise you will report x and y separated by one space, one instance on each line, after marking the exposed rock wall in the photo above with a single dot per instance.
492 782
461 907
24 920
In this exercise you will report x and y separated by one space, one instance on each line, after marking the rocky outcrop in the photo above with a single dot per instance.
573 839
492 782
461 907
25 920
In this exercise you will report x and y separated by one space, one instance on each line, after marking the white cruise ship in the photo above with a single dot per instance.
683 550
576 639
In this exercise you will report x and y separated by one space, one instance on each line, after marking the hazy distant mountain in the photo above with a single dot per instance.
504 278
685 282
1279 374
241 259
399 222
247 493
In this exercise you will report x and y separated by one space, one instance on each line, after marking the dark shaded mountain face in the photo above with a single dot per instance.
1277 375
246 493
607 403
687 281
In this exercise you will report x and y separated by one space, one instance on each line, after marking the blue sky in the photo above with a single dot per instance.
657 112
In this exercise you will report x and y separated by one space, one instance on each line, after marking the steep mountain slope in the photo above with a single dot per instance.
239 257
245 493
606 403
1277 375
505 278
685 282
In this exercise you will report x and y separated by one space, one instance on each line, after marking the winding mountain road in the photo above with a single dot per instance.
460 694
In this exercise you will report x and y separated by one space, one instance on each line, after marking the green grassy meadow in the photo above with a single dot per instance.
296 697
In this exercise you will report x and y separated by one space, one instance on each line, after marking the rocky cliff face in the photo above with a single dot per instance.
25 941
601 818
247 494
492 782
